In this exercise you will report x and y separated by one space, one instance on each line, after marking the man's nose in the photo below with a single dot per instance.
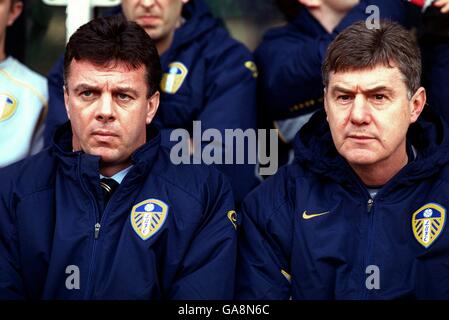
105 109
147 3
360 112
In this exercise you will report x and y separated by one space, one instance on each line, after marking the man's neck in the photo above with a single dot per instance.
380 173
164 44
327 17
108 170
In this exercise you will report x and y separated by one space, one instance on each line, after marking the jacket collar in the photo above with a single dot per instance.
198 22
88 165
305 23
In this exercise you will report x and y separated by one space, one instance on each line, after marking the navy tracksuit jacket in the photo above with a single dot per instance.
313 231
167 232
208 77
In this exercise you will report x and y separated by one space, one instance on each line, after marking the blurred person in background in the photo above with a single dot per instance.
23 98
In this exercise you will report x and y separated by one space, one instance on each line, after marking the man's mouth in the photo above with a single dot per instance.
360 137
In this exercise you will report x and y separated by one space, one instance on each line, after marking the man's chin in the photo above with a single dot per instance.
361 158
106 154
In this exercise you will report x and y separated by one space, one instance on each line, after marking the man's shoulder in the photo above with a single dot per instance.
31 174
193 179
218 41
20 76
282 37
276 192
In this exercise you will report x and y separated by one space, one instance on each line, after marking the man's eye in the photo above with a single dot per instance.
343 97
379 97
87 93
123 97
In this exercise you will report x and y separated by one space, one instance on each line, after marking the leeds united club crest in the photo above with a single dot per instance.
428 223
148 217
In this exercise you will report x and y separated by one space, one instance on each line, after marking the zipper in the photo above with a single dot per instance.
97 230
369 205
370 211
97 227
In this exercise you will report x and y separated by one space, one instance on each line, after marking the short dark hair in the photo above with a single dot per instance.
113 39
358 47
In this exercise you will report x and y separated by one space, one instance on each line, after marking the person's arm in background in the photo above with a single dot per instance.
290 65
434 42
11 283
208 270
230 103
265 239
57 114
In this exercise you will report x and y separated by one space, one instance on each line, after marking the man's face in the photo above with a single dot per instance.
369 114
109 109
159 18
8 14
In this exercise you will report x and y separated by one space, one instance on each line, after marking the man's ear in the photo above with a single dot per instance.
66 101
14 12
417 103
325 102
152 106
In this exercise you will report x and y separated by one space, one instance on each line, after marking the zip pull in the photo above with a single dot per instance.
97 230
370 205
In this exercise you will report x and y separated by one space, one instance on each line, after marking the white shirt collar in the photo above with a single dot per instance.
119 176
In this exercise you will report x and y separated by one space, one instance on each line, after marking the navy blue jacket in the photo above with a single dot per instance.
49 210
216 82
290 57
312 231
436 75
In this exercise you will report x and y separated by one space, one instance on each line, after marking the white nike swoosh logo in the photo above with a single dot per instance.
310 216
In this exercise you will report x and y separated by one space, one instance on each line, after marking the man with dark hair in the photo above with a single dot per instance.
208 77
103 213
361 212
290 57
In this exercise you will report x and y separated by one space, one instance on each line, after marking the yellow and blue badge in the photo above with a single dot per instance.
428 223
251 66
8 105
232 216
148 217
173 79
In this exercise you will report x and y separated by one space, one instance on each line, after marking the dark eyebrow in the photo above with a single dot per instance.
368 91
340 89
379 88
84 87
126 90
